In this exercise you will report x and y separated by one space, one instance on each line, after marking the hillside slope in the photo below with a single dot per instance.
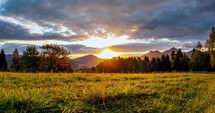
86 61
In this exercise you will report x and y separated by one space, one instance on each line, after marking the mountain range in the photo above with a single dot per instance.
92 60
158 54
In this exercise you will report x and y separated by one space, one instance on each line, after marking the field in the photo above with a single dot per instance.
60 92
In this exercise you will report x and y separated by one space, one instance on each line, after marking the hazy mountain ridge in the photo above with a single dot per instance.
77 63
86 61
168 52
152 54
158 54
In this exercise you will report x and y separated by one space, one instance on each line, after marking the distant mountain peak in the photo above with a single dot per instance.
168 52
152 54
157 53
87 56
173 49
86 61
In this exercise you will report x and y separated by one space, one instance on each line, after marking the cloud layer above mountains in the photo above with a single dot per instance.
179 22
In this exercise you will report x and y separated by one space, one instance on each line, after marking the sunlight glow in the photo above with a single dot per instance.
107 53
104 42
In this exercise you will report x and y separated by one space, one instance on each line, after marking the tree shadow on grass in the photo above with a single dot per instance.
27 106
131 102
122 103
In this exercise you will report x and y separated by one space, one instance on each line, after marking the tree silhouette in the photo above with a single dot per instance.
145 66
153 65
173 55
15 61
211 49
3 62
165 63
200 60
180 62
211 40
30 59
55 55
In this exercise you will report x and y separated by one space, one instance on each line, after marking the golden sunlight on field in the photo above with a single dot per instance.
125 93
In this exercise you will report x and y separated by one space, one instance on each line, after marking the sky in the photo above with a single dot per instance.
89 26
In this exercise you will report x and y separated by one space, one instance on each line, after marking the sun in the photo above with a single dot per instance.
107 53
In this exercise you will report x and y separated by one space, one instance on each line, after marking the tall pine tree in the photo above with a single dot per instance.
211 44
3 62
176 64
211 41
15 61
145 63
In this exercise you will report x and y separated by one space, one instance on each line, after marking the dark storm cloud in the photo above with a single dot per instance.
179 20
116 16
73 48
140 19
10 31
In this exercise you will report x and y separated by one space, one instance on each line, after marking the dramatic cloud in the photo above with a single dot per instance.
78 20
73 48
10 31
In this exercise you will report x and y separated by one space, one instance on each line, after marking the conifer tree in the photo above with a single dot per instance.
168 63
211 44
211 41
15 61
153 65
163 63
3 62
176 65
145 63
173 55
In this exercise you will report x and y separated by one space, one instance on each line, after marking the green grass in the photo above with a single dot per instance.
60 92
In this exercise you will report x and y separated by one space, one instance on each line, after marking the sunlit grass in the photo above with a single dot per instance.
60 92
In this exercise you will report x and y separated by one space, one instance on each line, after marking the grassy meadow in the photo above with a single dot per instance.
76 92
